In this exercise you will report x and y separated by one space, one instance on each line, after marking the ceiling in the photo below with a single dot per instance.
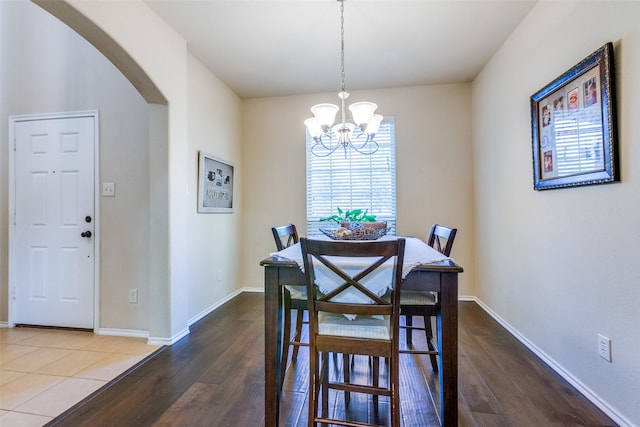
262 48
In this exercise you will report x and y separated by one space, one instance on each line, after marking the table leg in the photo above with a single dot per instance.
272 344
447 320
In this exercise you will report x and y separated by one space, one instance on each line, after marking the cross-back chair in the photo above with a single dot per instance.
367 325
294 299
424 304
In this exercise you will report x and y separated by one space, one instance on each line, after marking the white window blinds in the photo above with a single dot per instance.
356 182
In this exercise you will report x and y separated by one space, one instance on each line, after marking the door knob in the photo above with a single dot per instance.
86 234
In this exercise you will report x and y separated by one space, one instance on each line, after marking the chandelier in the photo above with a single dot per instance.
358 135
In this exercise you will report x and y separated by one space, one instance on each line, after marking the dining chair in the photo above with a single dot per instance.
425 304
351 319
294 299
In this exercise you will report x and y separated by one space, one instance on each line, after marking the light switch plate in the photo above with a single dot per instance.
109 189
604 347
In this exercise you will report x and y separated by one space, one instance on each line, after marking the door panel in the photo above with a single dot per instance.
54 264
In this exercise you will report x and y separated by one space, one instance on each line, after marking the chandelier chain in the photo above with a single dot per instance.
342 42
321 126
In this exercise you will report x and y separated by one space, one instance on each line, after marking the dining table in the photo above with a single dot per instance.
424 271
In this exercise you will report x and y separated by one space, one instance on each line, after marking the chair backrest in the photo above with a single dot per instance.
285 236
328 254
441 238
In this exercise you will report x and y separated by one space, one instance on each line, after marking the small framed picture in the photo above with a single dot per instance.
573 126
215 185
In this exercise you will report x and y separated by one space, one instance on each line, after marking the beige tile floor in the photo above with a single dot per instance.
43 372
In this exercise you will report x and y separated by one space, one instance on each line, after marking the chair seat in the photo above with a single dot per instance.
297 292
417 298
368 327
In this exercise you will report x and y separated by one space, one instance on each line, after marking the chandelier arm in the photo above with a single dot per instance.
329 150
330 147
369 143
362 133
355 142
345 145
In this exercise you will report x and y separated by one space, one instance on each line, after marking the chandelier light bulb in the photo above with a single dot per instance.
325 114
373 125
362 112
314 128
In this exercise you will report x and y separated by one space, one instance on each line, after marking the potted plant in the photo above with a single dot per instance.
347 218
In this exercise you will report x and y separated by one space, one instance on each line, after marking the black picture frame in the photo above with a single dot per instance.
574 126
215 184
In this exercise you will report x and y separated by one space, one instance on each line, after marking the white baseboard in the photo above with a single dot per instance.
168 341
143 334
559 369
181 334
4 324
209 309
122 332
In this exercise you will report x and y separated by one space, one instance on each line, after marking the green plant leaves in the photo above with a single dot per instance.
354 215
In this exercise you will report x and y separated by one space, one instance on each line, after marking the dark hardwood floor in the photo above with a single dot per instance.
215 377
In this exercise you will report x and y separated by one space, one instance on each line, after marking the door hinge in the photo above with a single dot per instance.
13 293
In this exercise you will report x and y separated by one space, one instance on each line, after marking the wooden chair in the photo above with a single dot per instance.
424 304
294 299
373 332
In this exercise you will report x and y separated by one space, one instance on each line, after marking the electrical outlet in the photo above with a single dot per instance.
604 347
109 189
133 296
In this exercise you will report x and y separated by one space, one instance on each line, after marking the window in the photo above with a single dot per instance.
356 182
579 146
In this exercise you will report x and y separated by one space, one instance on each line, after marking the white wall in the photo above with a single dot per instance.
46 67
433 167
560 266
214 128
157 55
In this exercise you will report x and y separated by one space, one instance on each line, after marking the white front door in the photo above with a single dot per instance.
54 222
